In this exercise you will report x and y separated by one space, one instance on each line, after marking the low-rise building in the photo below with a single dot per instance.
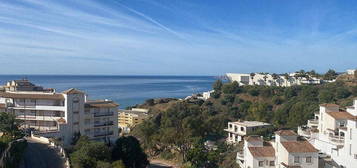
237 130
60 115
265 79
351 71
334 132
286 151
129 118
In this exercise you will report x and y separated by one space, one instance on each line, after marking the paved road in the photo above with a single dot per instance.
160 164
39 155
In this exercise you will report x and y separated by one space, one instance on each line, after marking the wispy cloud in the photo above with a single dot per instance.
176 37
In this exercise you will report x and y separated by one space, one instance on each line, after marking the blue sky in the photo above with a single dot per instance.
176 37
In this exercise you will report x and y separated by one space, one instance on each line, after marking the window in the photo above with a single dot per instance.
261 163
76 100
241 128
296 159
87 121
75 112
272 163
33 100
308 159
355 156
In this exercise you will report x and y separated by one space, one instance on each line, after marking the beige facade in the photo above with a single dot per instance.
127 119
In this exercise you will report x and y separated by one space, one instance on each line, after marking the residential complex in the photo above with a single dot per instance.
129 118
237 130
334 132
286 151
60 115
265 79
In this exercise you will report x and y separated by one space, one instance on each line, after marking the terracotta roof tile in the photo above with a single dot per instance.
73 91
265 151
286 133
101 103
299 147
340 115
329 105
253 138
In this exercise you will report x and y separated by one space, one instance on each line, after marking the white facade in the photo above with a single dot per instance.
62 115
237 130
270 80
351 71
207 95
285 152
335 134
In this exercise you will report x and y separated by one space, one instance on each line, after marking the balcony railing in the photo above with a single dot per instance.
338 140
103 124
103 114
313 122
103 134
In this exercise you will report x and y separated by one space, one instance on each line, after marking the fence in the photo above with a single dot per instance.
52 144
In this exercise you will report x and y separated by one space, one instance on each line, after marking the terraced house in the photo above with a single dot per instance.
286 151
334 132
61 115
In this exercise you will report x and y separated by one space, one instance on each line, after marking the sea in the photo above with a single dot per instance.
125 90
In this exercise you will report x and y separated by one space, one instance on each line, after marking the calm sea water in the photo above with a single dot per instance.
126 90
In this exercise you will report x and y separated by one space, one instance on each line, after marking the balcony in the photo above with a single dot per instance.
41 118
103 114
39 107
313 123
337 140
104 124
99 134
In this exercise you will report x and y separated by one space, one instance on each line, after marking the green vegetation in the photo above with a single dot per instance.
9 125
10 143
126 153
173 131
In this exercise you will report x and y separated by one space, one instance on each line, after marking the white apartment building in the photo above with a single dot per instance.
60 115
351 71
237 130
271 80
286 151
334 132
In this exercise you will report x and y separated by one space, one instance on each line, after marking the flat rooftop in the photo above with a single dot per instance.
250 123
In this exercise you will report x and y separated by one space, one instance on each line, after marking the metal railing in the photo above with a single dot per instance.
104 124
103 114
103 134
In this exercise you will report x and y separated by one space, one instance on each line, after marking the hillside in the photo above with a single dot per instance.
177 125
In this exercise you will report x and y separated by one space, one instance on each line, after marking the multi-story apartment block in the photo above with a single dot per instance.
334 132
129 118
237 130
271 80
60 115
286 151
